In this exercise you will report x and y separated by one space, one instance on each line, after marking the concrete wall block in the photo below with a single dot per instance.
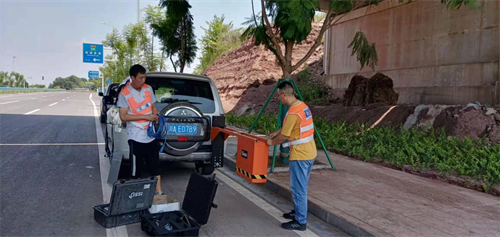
417 77
489 45
408 95
448 75
467 94
472 76
490 73
419 20
490 11
462 48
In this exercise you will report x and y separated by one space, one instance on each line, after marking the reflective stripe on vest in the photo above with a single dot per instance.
306 124
143 108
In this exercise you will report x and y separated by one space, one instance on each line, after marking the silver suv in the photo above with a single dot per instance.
192 106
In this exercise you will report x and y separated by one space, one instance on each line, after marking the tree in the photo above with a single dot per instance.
13 79
154 15
291 23
3 78
218 38
176 33
129 48
69 83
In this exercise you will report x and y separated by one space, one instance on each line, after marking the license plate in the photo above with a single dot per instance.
182 129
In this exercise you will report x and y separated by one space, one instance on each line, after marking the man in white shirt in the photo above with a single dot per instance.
136 105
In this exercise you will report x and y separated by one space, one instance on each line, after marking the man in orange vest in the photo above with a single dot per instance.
298 129
137 108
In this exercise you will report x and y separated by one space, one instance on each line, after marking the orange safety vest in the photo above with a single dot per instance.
142 108
306 124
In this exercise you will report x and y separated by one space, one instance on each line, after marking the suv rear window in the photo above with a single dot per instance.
198 93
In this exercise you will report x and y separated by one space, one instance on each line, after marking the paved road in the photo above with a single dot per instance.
50 176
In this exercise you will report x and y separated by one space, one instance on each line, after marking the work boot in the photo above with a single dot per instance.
290 215
293 225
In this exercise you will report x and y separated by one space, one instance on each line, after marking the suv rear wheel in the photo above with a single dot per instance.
190 125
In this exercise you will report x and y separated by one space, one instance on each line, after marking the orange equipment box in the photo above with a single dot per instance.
252 154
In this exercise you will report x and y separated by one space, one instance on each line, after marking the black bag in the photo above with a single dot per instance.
198 201
129 201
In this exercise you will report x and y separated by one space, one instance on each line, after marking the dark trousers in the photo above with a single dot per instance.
144 157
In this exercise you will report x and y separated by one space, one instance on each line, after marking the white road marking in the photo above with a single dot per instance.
9 102
33 98
52 144
63 99
270 209
53 104
36 110
104 168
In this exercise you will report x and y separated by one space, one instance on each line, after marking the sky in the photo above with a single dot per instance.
46 36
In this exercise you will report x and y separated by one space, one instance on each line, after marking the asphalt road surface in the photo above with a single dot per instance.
51 162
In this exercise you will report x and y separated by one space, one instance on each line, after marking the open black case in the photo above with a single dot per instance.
129 201
198 201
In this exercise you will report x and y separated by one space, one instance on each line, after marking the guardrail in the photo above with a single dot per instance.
15 90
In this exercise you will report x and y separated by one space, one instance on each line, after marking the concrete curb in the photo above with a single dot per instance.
314 208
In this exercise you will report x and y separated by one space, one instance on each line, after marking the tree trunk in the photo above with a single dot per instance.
173 64
286 72
153 51
287 67
161 61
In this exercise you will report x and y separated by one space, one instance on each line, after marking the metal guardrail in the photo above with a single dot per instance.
14 90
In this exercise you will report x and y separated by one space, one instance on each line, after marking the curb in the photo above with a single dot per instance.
315 209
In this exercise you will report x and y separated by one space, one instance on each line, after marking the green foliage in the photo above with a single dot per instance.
456 4
365 52
342 6
293 18
13 79
218 39
154 15
176 33
312 93
422 150
130 47
265 125
69 83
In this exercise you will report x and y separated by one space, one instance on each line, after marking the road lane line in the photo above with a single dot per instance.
270 209
53 104
120 231
63 99
9 102
51 144
33 98
36 110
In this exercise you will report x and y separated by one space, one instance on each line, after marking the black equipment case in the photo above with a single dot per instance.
129 201
198 201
